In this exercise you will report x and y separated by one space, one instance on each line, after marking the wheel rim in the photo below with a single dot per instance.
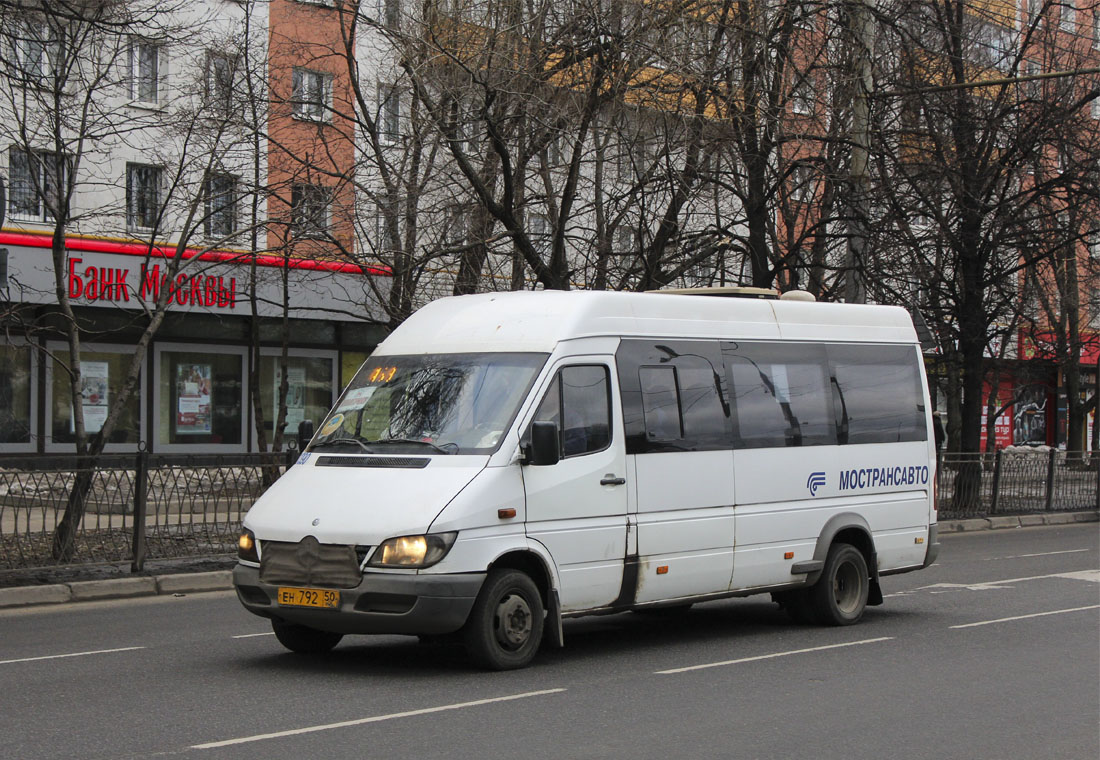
512 621
847 588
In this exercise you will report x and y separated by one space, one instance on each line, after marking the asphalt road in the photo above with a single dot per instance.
994 652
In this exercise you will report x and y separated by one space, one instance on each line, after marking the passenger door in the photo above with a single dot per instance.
577 508
676 423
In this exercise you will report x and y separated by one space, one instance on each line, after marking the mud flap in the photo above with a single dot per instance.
874 591
552 632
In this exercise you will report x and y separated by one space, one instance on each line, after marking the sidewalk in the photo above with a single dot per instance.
221 580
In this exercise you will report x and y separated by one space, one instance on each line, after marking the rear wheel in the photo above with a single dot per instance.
304 640
840 594
505 627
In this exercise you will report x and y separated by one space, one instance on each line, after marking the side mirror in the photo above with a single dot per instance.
305 434
543 449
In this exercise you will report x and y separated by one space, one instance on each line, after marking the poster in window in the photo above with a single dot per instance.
193 399
295 395
93 392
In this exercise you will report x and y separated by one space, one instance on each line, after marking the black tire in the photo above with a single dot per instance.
505 627
840 594
797 604
304 640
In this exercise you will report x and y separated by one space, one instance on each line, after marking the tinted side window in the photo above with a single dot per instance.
578 400
780 394
661 404
879 398
672 395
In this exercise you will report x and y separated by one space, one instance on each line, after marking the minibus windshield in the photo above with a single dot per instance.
430 403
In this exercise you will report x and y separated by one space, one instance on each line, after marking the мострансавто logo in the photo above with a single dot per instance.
815 481
872 477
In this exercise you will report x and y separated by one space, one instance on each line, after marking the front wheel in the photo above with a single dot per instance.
504 629
840 594
304 640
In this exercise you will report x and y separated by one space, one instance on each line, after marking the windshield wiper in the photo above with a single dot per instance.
335 441
441 449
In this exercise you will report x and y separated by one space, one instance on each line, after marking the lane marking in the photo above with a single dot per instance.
373 719
1025 617
1040 554
773 655
72 654
1076 575
252 635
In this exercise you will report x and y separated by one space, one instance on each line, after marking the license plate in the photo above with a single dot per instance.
308 597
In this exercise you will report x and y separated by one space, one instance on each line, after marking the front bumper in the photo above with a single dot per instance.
381 603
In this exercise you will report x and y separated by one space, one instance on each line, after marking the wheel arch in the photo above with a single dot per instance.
539 570
847 528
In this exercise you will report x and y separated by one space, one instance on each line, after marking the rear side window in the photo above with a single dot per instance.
579 401
878 394
673 396
780 394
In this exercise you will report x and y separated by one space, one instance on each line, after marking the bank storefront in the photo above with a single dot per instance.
193 393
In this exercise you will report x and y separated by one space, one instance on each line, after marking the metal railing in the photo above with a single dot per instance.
1016 481
134 507
143 507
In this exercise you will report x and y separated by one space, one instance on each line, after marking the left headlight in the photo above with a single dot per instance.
246 547
413 551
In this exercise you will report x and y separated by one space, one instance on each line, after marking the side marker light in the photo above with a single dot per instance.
788 555
662 570
505 514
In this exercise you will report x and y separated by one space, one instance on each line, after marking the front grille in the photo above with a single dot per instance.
309 563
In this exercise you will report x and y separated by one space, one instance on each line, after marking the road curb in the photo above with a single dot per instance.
1001 522
116 588
222 580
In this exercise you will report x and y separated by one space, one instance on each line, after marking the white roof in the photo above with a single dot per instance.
539 320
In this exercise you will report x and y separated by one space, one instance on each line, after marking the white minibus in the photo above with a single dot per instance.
505 461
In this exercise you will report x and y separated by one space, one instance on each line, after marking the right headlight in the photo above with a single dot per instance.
247 548
413 551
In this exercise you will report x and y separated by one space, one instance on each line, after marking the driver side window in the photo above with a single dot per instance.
579 402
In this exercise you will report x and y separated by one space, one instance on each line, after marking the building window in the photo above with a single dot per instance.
802 95
540 234
33 51
200 397
1068 19
16 387
221 70
309 392
310 211
220 205
311 94
144 71
143 191
389 13
385 240
36 184
389 113
102 374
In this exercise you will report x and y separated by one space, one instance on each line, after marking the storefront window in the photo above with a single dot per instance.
200 397
15 394
350 362
308 394
102 375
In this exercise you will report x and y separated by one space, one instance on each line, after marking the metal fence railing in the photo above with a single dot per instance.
1016 481
134 507
143 507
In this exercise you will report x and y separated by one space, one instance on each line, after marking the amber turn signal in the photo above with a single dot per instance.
505 514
